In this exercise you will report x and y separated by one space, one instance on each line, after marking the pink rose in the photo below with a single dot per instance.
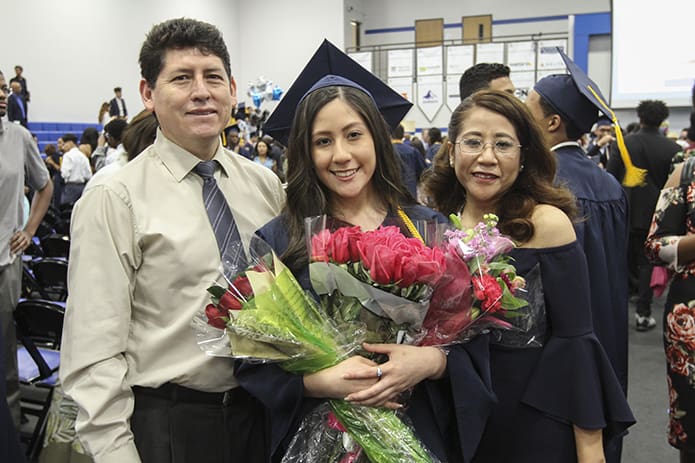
343 245
320 246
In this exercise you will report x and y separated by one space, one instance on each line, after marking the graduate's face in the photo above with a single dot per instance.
343 152
488 175
192 98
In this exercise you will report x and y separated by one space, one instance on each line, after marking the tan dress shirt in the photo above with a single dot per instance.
143 253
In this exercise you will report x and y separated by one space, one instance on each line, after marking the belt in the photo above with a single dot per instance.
177 393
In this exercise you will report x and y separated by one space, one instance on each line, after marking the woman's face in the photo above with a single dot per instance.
343 152
262 148
488 175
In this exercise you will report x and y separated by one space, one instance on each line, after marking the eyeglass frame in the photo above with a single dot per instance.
493 145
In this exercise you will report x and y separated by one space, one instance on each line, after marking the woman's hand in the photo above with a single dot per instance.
334 383
406 367
589 444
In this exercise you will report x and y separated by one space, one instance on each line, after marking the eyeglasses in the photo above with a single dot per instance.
475 146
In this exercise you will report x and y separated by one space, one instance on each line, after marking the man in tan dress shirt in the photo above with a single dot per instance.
143 253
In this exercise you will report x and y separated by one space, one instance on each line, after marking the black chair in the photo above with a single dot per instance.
56 245
31 289
51 273
39 332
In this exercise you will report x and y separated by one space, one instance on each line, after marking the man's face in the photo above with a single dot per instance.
16 87
4 91
61 145
503 84
603 130
193 99
118 93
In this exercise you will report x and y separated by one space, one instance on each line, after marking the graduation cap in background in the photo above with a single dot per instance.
578 99
330 66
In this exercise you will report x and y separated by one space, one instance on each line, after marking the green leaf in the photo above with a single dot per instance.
456 221
510 301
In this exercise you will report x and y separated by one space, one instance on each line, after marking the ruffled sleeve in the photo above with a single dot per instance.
573 379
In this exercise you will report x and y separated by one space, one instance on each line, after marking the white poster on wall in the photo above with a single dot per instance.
521 56
403 86
400 63
364 58
489 53
548 57
523 83
453 97
430 95
458 59
429 61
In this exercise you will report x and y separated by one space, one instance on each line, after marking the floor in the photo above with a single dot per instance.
648 395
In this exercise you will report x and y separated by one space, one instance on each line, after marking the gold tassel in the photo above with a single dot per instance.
634 176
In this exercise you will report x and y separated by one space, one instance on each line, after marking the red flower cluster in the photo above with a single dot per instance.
232 299
388 255
488 291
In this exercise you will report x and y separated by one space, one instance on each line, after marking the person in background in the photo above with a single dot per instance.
650 150
54 159
16 106
145 390
493 76
412 163
21 165
74 170
104 117
261 155
434 137
599 147
556 398
88 141
117 108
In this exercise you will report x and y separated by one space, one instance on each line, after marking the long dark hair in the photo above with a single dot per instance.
533 186
306 195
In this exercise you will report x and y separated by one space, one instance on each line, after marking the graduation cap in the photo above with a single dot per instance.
330 66
578 99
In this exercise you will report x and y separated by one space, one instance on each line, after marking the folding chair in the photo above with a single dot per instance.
39 331
52 275
56 245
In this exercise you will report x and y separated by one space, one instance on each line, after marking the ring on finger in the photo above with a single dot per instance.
378 373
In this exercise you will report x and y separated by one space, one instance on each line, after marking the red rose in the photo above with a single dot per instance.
677 360
216 317
487 290
343 245
242 285
229 302
320 246
384 265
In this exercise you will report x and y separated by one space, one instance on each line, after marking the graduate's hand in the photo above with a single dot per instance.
406 367
333 383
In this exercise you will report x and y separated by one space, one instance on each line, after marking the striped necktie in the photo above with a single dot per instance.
221 218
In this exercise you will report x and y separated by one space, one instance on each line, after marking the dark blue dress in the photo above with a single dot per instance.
449 424
542 391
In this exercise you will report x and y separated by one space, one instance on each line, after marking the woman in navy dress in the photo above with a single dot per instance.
558 398
341 163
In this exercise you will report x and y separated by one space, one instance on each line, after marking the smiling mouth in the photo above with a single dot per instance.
484 176
202 113
344 173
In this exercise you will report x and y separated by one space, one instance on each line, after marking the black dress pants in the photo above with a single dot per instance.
173 424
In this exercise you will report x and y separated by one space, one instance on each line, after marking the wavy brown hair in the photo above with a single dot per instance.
306 195
533 186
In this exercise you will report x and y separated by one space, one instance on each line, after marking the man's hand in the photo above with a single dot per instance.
19 242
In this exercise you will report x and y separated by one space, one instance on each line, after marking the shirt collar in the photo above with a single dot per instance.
565 143
179 161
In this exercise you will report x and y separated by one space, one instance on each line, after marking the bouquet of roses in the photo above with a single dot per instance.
380 279
481 287
266 316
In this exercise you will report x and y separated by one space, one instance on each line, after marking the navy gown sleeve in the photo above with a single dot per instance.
573 379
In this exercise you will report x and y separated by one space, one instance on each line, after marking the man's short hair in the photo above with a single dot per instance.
571 130
435 135
398 132
652 112
19 67
479 77
69 137
116 89
115 128
177 34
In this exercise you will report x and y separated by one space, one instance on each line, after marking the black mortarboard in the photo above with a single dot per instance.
330 66
578 99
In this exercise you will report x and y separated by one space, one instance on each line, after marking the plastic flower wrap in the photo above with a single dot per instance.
263 314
